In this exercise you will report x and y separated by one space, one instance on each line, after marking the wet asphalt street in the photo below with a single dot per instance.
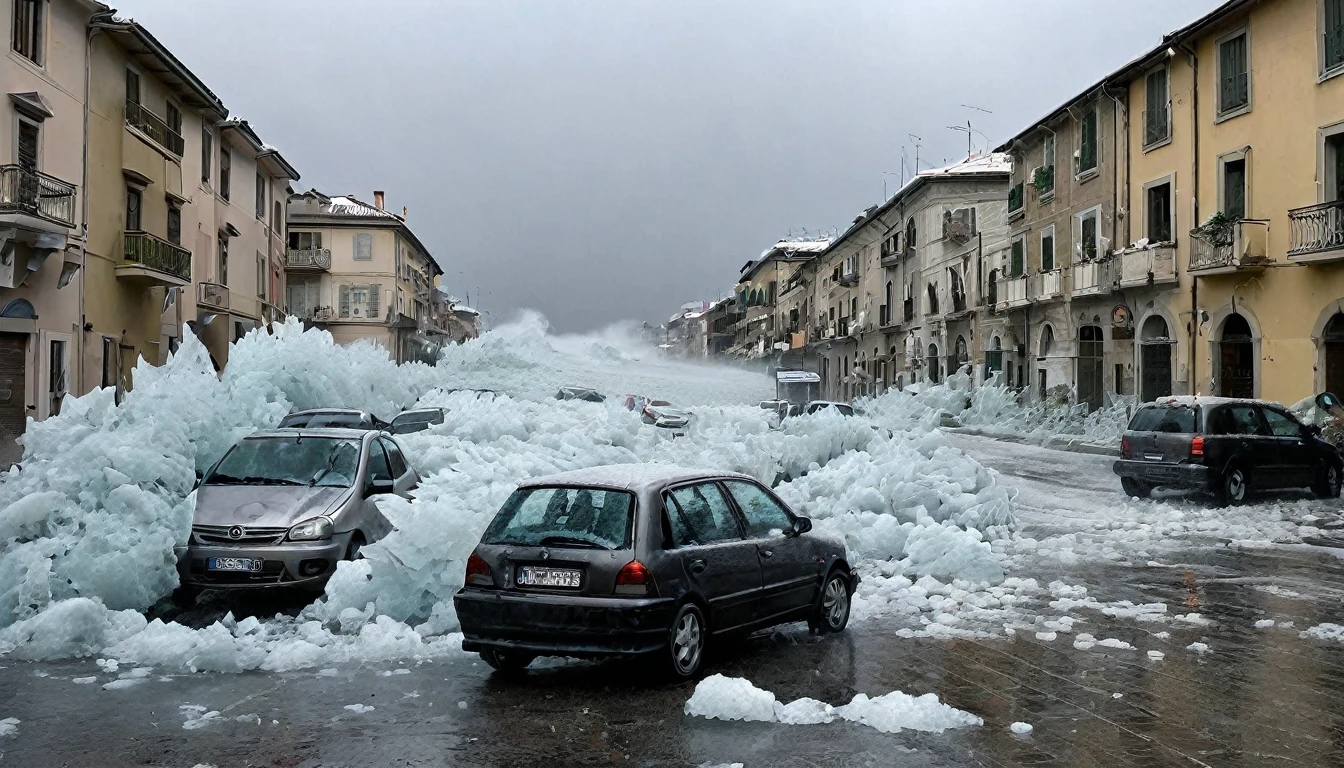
1259 696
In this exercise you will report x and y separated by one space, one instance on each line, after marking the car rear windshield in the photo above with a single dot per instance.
1165 418
564 517
322 420
298 460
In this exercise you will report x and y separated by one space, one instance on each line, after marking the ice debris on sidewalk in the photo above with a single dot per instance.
359 709
1264 623
1021 729
734 698
1330 632
9 727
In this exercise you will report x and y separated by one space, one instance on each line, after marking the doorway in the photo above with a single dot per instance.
1155 360
1333 339
1236 359
13 395
1090 371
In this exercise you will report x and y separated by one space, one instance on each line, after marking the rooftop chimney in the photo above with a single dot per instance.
404 211
378 199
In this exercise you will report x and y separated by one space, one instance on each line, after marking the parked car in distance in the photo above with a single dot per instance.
281 508
648 560
416 420
580 393
666 417
323 418
844 409
1225 446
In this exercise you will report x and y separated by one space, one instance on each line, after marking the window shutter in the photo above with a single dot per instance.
375 291
1047 253
363 247
345 301
27 145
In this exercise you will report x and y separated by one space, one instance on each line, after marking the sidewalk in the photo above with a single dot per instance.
1072 443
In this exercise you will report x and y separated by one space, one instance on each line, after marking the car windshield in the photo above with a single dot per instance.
299 460
591 518
323 419
844 410
1164 418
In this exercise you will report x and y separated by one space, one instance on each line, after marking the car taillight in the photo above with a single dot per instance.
634 579
478 572
1197 447
1124 447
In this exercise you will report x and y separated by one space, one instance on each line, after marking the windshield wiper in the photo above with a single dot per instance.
218 479
253 480
331 464
571 541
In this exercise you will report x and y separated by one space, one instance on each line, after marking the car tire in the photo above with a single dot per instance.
1136 488
686 642
831 613
1234 486
1328 481
507 662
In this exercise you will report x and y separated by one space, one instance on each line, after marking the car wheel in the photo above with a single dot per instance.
832 611
1134 488
507 661
1234 486
686 642
1328 482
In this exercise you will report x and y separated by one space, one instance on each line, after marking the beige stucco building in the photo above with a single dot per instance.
358 271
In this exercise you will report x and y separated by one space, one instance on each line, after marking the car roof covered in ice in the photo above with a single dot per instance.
327 410
301 432
631 477
1208 401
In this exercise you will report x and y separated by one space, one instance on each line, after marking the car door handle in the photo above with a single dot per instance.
767 553
698 566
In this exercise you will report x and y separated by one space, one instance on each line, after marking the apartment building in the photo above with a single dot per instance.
358 271
894 299
41 214
762 327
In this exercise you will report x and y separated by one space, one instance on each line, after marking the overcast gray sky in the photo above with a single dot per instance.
608 159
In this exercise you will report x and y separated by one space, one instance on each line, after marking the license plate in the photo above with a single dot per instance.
564 578
246 564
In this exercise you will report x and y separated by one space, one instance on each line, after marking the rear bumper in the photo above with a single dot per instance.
551 625
1164 474
283 564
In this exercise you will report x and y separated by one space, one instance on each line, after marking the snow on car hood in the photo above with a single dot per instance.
275 506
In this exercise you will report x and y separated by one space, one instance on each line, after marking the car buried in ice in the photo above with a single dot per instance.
317 418
667 417
580 393
416 420
844 409
645 560
283 507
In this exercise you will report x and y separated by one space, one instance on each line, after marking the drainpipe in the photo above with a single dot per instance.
96 23
1194 186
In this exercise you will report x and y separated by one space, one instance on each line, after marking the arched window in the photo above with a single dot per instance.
963 355
910 234
931 360
994 357
1047 340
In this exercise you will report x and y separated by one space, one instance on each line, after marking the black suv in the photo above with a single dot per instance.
1225 446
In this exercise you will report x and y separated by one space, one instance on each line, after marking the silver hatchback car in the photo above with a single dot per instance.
281 508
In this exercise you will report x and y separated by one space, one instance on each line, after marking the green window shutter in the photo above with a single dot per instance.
1018 256
345 301
375 291
1334 33
1048 253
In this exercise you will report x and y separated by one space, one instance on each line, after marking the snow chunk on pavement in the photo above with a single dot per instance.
1333 632
1264 624
1021 729
731 698
734 698
1156 655
9 727
83 680
1198 647
359 709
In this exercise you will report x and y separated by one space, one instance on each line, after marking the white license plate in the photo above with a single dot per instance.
246 564
564 578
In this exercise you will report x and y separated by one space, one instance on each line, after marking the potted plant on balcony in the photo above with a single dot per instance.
1217 230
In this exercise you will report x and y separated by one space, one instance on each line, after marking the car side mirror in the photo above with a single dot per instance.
377 487
801 525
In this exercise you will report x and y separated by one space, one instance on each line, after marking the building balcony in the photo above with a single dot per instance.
849 280
1012 292
1049 286
1241 247
308 259
1317 232
154 261
1155 265
212 295
140 118
893 259
24 192
1091 278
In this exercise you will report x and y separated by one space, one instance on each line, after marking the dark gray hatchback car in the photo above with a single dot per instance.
645 560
